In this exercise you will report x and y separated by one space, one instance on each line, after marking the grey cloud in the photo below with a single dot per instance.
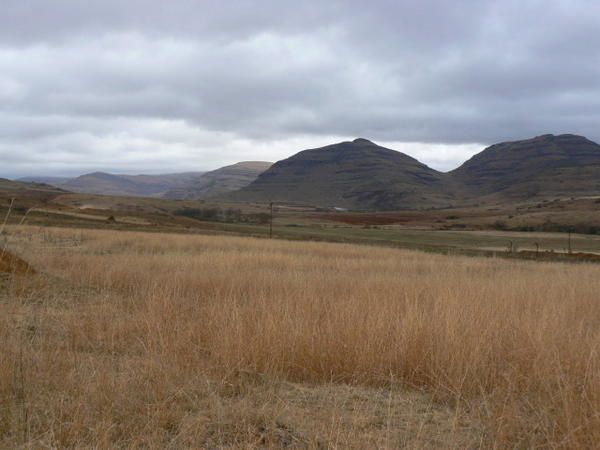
97 79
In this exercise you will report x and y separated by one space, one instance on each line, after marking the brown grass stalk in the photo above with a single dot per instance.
146 331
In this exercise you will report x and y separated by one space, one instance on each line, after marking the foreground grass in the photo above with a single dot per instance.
129 339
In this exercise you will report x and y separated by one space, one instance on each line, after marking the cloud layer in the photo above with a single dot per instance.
135 85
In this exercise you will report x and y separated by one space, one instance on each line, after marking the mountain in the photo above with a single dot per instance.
363 175
357 175
545 166
220 181
128 185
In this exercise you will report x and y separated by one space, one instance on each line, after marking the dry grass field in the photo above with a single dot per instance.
134 340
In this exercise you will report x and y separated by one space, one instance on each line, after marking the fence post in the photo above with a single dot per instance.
271 221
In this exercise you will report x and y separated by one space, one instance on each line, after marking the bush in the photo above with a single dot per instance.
210 214
229 215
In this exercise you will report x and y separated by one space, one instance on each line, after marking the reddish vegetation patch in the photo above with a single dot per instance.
10 263
365 219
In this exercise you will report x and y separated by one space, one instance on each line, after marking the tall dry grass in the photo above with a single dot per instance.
513 345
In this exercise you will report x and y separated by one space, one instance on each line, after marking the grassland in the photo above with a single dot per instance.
128 339
482 231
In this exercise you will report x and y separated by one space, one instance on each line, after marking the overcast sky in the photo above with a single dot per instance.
181 85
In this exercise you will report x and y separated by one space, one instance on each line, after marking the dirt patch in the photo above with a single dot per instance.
11 263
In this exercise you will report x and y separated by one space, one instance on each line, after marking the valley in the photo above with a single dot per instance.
230 321
314 225
501 230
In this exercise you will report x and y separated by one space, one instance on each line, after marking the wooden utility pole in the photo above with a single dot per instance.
271 221
570 248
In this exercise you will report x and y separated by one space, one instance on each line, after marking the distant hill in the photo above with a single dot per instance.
363 175
357 174
22 196
10 185
7 186
52 181
220 181
545 166
123 185
187 185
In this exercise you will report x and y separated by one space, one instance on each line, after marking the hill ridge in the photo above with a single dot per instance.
360 174
220 181
350 174
546 165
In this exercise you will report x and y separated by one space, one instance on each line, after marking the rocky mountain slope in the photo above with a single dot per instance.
357 174
363 175
545 166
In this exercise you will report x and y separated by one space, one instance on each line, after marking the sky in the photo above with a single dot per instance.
155 86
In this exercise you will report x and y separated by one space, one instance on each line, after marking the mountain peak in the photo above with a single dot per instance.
363 141
559 137
99 175
350 174
544 166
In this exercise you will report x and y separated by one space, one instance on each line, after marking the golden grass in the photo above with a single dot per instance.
192 341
